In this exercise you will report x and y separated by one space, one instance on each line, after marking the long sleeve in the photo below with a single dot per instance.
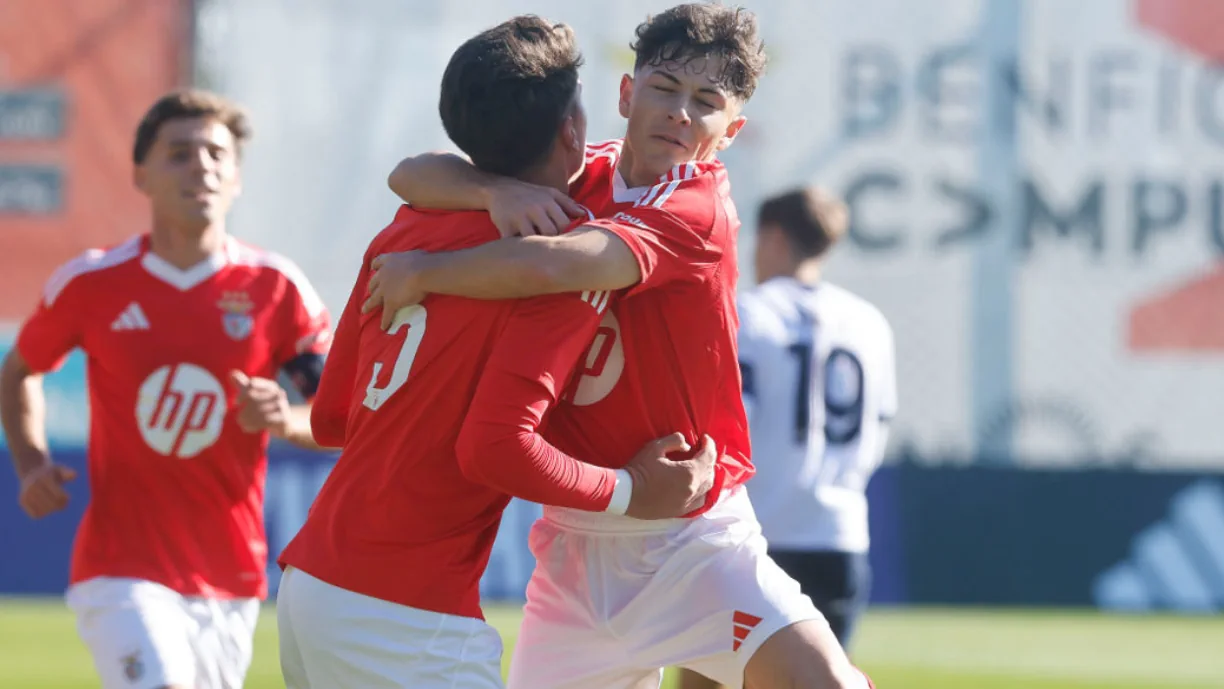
500 444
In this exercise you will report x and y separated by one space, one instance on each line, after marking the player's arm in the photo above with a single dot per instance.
333 401
647 249
648 246
263 405
500 443
23 410
42 345
304 365
450 182
585 259
297 428
303 338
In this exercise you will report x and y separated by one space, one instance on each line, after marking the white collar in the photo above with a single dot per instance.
621 192
184 280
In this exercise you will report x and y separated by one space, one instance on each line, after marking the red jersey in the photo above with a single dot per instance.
665 359
177 487
404 516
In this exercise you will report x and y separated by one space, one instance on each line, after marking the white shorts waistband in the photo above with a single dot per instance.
603 523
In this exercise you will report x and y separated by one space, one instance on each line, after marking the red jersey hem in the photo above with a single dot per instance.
335 578
175 584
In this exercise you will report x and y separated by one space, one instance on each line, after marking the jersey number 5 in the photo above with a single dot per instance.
413 318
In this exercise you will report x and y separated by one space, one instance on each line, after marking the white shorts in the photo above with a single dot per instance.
332 637
614 599
143 635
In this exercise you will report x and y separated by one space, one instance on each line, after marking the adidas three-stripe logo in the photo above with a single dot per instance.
132 318
742 626
1177 563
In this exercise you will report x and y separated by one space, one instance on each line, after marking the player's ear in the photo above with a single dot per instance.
237 181
626 95
567 135
574 139
733 130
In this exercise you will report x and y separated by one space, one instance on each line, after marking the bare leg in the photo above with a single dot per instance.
695 680
805 655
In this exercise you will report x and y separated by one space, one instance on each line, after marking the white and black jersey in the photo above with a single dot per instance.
819 377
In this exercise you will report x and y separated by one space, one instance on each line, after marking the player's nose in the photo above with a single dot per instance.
201 160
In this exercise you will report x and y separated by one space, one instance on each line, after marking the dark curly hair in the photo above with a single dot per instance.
698 30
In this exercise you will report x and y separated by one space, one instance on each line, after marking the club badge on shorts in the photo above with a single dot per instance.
133 669
236 314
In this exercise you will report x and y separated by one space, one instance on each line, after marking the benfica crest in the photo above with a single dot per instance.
133 669
236 314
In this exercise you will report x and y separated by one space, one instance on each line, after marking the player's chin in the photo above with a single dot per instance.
205 213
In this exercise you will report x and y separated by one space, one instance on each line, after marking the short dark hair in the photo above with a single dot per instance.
697 30
185 105
506 91
811 218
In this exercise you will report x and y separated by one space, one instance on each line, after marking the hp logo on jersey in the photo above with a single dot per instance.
180 410
602 366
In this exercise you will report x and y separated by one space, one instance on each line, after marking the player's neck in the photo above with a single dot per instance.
548 174
633 178
184 247
804 272
807 272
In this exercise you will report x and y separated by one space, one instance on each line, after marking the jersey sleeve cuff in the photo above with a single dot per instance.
628 235
37 363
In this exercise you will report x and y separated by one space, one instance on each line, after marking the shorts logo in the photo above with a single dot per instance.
236 314
743 626
133 669
180 410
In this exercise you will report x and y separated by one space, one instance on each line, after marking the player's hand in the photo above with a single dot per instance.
262 404
395 284
521 209
42 490
664 488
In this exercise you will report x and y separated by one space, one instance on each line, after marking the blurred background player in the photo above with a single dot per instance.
381 586
185 329
820 388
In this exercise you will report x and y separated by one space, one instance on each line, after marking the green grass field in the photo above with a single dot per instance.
899 648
